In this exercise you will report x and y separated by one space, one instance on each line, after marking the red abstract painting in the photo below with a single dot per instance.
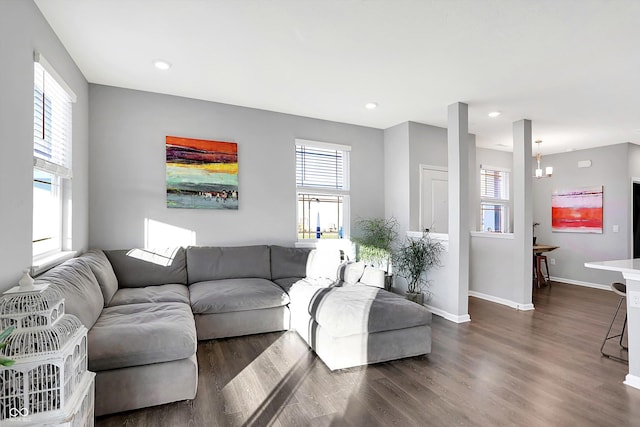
577 210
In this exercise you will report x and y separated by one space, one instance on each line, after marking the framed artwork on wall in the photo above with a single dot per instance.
201 174
577 210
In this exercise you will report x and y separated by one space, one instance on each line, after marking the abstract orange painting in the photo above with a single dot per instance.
577 210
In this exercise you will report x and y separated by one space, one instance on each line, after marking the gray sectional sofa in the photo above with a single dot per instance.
146 310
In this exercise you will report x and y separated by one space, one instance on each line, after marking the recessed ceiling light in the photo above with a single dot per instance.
371 105
161 65
494 114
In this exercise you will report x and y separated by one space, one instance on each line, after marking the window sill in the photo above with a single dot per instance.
46 262
491 235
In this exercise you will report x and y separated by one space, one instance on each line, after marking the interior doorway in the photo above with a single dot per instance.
434 199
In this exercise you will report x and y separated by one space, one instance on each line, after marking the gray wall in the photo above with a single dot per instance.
427 146
127 164
634 161
489 274
610 169
396 175
23 30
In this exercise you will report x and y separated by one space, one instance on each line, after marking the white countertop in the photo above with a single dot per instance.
621 265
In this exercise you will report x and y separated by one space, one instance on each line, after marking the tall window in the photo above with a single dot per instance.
51 158
494 199
322 182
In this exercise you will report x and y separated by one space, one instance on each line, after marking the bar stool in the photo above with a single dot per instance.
538 270
620 289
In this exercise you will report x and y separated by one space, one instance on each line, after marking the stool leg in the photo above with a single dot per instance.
624 326
546 266
539 271
607 337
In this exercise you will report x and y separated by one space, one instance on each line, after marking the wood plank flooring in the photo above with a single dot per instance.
504 368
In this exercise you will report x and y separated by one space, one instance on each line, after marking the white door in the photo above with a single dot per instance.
434 200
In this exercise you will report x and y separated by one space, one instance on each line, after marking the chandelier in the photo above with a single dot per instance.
548 171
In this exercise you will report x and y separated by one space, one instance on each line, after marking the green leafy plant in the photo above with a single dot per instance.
415 257
375 237
3 336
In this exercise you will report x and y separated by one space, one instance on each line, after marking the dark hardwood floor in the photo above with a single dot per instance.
504 368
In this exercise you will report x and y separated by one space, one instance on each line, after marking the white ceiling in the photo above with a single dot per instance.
571 66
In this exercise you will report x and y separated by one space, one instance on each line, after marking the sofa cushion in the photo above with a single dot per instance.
103 271
349 273
228 295
214 263
323 263
141 334
286 282
373 277
79 288
351 310
138 268
288 262
151 294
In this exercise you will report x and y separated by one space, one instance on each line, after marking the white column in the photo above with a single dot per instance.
522 214
458 163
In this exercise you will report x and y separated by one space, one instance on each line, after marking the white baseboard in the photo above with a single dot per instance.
449 316
508 303
580 283
632 381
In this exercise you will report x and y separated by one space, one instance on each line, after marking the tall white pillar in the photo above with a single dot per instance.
522 214
458 161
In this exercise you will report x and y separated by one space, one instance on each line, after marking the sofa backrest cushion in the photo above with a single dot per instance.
235 262
349 273
288 262
79 288
101 268
137 268
373 277
323 264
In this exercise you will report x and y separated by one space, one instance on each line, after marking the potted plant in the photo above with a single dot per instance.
413 259
374 238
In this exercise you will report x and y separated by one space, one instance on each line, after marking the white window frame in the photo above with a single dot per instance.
58 164
507 203
344 192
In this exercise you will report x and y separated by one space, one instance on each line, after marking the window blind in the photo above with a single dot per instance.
51 124
494 184
320 167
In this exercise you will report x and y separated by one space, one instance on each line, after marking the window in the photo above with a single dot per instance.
322 182
494 199
51 157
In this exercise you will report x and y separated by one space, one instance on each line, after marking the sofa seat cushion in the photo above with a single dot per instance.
343 311
229 295
151 294
141 334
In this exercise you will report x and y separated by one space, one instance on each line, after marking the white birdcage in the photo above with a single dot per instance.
49 384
